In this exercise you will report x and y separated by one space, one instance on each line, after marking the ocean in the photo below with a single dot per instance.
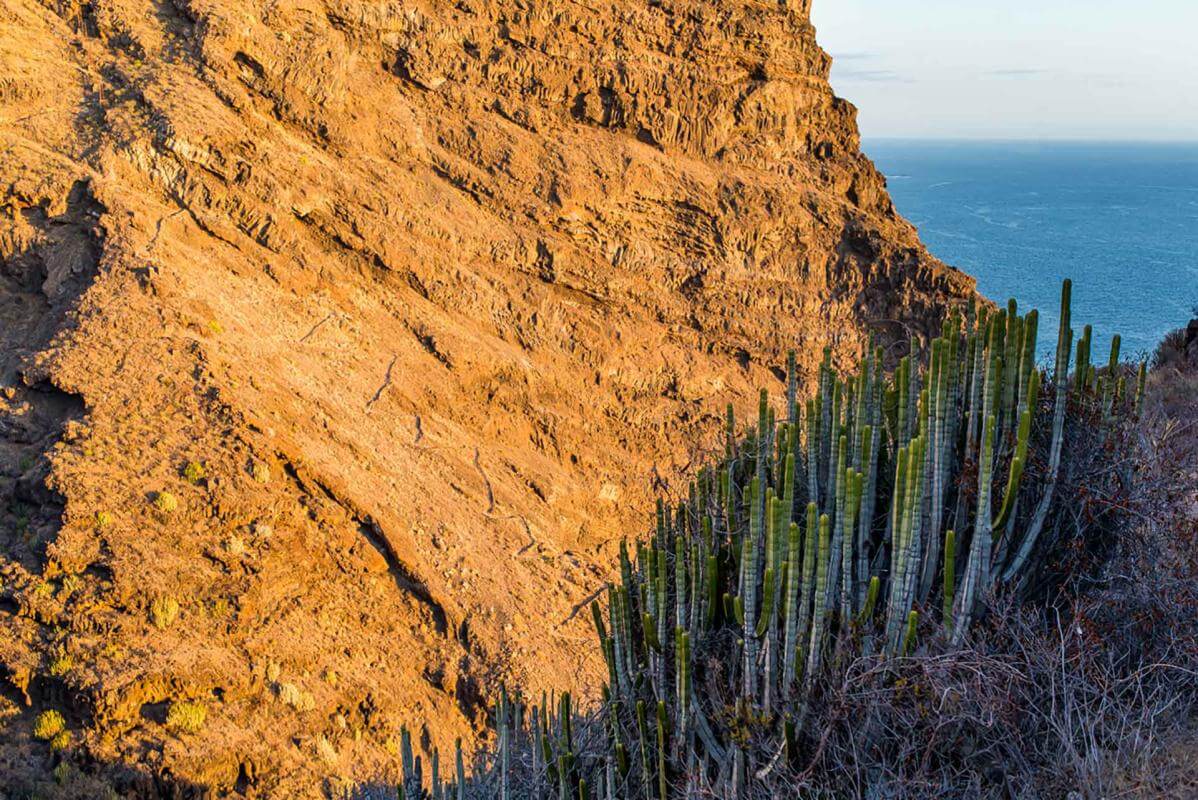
1121 220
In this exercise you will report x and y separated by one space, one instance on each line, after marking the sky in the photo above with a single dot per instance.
1016 69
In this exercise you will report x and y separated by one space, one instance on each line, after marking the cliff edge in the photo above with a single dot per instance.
342 340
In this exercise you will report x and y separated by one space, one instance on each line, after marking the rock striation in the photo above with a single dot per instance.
411 308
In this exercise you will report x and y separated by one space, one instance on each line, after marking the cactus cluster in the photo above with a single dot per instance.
412 785
879 510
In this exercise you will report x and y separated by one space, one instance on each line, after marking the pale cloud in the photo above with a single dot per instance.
1018 72
872 75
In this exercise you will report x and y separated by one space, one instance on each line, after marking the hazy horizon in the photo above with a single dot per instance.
1054 70
1043 140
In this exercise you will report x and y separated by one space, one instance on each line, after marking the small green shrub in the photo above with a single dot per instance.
61 664
48 724
103 519
186 716
61 741
166 502
70 584
194 472
65 773
163 611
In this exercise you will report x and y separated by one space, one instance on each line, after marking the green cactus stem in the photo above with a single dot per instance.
767 608
909 638
1141 382
662 778
748 593
1109 390
950 573
871 600
979 553
791 609
1060 382
684 682
459 769
820 614
853 481
643 734
1016 473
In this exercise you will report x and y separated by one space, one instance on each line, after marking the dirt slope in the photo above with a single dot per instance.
437 294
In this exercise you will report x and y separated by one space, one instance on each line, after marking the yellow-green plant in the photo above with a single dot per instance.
48 724
163 611
61 664
194 472
166 502
69 585
185 716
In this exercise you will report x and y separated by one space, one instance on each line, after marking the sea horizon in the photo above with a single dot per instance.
1120 218
1047 140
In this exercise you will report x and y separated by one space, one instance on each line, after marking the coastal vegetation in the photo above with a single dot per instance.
884 588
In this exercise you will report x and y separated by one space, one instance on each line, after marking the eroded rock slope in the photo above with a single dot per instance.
436 294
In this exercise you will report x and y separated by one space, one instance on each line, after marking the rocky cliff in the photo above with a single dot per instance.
343 339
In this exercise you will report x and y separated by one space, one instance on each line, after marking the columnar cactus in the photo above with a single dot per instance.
917 498
950 575
822 596
460 769
1060 382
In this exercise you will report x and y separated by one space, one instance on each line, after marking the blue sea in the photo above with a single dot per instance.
1121 220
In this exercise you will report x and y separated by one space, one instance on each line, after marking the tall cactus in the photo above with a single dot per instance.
1060 382
950 576
460 769
977 568
815 649
917 496
1108 394
791 609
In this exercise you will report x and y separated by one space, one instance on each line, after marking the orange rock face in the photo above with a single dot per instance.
437 295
